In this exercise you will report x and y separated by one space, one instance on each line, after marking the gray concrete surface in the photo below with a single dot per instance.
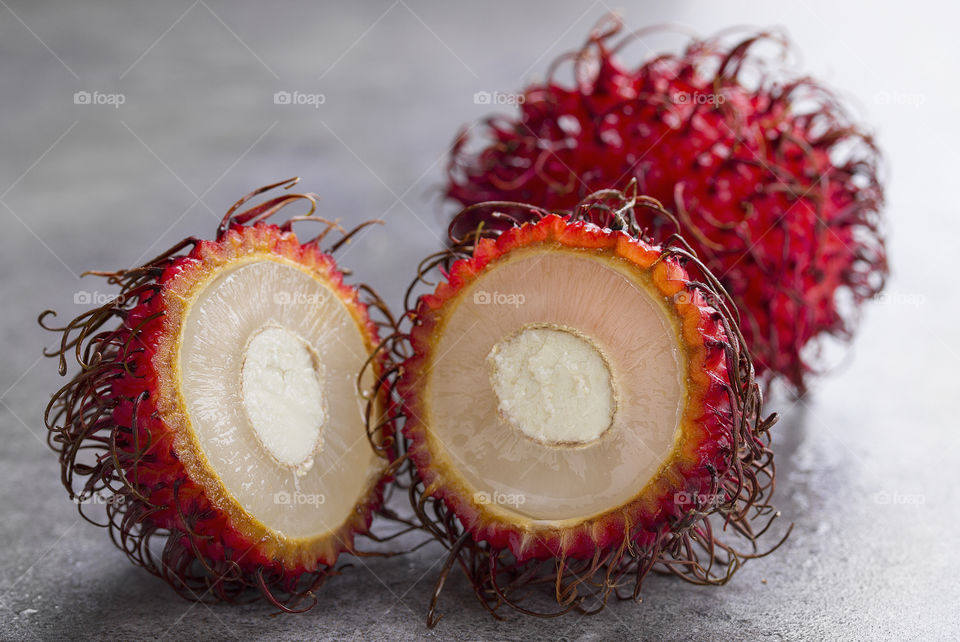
868 462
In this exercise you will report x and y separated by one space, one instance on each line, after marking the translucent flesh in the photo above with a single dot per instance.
603 301
215 333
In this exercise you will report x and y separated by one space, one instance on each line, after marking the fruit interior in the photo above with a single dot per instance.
552 384
556 385
282 392
268 362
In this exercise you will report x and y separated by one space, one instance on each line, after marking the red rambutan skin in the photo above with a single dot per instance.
161 472
774 186
125 407
701 458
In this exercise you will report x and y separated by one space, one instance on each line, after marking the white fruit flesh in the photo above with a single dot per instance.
552 385
268 361
623 438
282 394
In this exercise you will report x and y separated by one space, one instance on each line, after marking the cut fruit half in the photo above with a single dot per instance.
579 394
224 411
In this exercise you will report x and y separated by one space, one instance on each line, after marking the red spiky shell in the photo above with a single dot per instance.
719 463
127 406
776 189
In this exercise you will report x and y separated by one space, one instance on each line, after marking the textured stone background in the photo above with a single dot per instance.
868 462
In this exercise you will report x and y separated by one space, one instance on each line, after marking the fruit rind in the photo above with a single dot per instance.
717 481
126 405
181 284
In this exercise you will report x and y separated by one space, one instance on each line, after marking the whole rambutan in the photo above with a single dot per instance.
773 184
579 407
218 414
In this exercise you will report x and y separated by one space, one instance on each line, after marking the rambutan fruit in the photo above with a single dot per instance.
218 414
775 186
579 406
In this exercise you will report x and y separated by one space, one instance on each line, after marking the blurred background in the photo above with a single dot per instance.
128 126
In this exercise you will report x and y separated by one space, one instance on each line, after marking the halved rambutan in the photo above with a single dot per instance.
217 413
776 187
581 395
